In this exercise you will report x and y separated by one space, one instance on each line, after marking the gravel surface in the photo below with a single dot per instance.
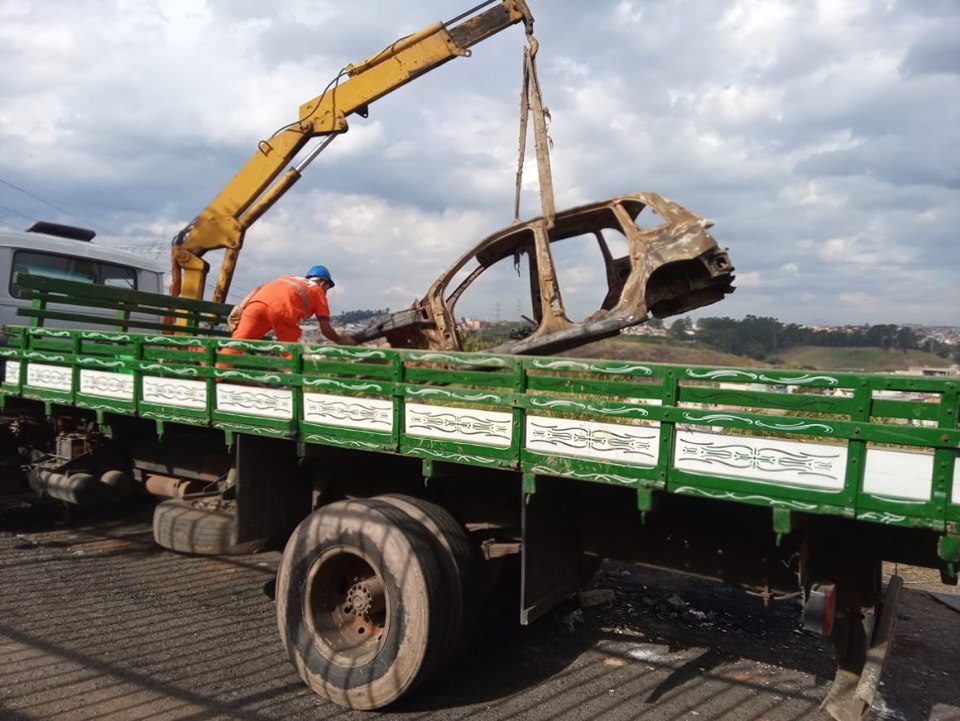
96 622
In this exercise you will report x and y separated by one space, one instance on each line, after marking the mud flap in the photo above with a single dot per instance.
272 494
858 675
552 552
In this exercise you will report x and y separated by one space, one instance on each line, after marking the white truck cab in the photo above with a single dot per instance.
64 251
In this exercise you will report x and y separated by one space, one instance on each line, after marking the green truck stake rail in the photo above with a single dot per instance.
878 448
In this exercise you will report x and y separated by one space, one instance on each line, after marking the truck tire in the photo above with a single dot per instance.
201 526
458 565
360 603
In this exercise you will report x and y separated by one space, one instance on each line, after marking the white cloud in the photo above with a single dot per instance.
749 280
740 104
820 137
760 26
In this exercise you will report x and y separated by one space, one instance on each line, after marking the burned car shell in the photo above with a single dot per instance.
669 269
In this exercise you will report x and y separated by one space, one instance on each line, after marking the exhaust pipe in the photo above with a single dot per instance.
167 486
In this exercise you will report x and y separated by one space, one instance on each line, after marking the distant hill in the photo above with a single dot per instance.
872 360
660 350
664 350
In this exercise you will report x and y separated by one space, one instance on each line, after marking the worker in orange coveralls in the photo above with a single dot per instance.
281 304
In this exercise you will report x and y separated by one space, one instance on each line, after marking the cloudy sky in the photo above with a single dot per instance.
821 136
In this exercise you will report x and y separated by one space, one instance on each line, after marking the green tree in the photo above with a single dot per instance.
679 327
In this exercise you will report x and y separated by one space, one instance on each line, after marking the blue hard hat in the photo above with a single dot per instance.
320 271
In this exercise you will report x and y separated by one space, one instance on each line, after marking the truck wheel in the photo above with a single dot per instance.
458 566
360 603
201 526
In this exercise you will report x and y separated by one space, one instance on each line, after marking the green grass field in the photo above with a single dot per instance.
872 360
665 350
661 350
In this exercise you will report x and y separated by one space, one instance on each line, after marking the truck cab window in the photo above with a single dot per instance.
83 270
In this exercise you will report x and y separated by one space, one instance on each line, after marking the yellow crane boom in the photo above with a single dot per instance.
259 183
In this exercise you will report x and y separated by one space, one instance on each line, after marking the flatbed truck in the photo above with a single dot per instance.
404 484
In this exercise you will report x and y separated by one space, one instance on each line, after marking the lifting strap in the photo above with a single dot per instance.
531 101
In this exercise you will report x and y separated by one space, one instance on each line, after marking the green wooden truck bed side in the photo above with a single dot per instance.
878 448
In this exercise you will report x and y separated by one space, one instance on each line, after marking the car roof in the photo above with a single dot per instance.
51 244
567 223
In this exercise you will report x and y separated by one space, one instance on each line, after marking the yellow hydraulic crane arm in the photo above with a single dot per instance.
259 183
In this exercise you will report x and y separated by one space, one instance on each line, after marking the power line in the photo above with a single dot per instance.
15 212
52 205
135 248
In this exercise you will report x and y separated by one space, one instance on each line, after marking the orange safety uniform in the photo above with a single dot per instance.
279 306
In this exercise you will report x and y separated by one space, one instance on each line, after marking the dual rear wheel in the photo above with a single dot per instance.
374 596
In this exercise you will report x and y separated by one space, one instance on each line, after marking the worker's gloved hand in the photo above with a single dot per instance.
347 339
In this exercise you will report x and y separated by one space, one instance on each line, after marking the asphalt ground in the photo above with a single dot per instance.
96 622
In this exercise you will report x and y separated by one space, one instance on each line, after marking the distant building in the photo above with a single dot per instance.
934 371
645 330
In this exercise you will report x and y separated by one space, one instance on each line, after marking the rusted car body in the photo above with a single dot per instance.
670 265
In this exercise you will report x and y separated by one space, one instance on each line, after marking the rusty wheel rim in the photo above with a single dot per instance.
346 606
